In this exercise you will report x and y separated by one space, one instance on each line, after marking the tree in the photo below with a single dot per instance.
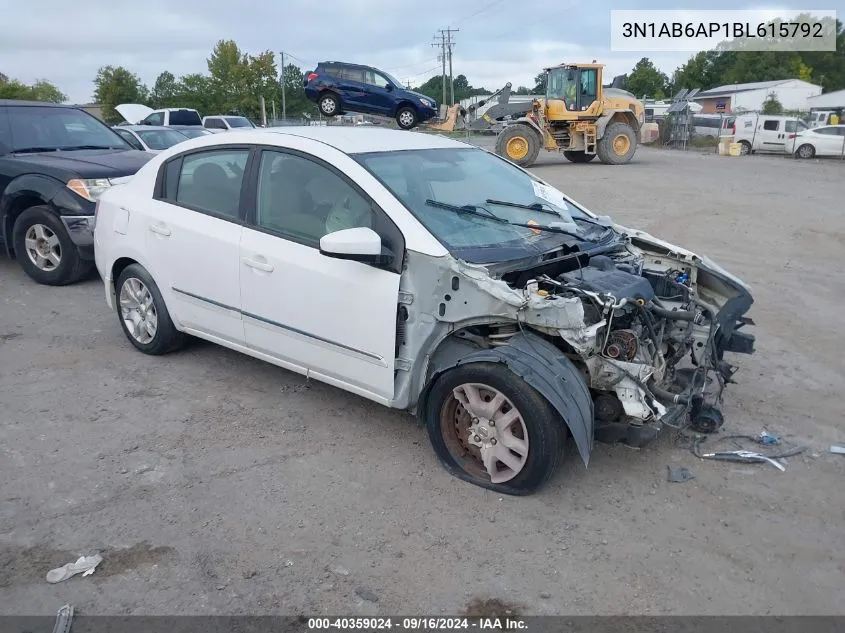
194 91
647 81
228 68
522 90
540 84
771 105
433 88
296 103
41 90
165 92
114 85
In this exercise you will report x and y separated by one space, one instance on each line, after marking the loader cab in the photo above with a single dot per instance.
578 87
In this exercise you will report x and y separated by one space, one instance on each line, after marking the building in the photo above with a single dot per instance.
828 101
793 94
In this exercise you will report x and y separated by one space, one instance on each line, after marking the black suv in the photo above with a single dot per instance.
55 161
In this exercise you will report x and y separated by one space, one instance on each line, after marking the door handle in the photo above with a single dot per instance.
264 266
160 229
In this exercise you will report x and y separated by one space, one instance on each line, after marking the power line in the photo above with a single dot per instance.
487 7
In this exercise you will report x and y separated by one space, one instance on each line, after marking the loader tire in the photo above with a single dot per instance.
578 157
520 144
618 144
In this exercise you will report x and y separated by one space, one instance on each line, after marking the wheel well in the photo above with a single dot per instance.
624 117
18 206
118 267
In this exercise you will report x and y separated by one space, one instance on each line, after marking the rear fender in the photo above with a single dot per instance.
541 365
613 116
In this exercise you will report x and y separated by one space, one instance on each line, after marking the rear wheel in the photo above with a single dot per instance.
518 143
744 148
618 144
329 104
579 157
490 428
806 151
44 249
406 117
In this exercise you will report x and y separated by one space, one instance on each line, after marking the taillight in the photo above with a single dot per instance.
311 77
791 136
733 129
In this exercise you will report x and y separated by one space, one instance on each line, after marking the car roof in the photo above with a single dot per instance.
347 64
47 104
360 140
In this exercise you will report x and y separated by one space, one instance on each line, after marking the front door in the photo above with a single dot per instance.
193 240
377 97
771 135
329 318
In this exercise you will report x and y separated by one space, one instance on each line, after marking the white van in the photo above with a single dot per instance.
713 125
767 133
820 117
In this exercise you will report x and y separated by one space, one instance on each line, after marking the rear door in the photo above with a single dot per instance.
351 87
827 140
793 128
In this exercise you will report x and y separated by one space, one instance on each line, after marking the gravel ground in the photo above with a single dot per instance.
215 483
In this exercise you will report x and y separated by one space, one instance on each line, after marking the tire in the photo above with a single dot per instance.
329 104
406 117
612 149
44 249
518 143
135 281
745 148
805 151
579 157
448 424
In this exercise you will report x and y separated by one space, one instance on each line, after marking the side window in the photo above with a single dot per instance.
353 74
304 200
156 118
210 181
215 124
374 79
129 138
771 125
831 131
588 86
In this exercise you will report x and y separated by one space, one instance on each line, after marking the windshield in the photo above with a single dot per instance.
238 121
161 139
458 177
37 128
562 84
195 133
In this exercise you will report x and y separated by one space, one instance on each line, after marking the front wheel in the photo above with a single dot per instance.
490 428
143 316
519 143
406 118
44 249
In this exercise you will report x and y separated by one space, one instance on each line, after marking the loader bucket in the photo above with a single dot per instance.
454 120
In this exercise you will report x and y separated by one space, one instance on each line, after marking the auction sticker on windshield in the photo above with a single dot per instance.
549 194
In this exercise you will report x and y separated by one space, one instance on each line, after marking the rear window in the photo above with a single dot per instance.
238 121
185 117
330 69
792 125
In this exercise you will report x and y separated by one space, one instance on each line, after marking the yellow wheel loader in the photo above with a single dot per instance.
578 117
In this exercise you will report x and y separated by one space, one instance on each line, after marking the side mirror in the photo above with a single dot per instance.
359 244
389 87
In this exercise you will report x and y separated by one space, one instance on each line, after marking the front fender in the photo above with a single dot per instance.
546 369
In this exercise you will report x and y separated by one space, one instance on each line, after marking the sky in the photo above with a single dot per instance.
497 40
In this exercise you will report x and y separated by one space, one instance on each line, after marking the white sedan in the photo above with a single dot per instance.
827 140
429 276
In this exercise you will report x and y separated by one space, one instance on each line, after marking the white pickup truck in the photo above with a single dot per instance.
138 114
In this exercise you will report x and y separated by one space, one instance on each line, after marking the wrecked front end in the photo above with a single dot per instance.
646 325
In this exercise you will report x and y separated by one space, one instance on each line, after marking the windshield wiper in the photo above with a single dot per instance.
33 150
473 210
533 207
538 206
76 147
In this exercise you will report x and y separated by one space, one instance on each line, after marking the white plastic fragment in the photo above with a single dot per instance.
839 450
84 565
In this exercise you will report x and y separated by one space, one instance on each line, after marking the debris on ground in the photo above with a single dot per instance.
838 450
767 439
366 594
679 475
743 455
64 619
84 565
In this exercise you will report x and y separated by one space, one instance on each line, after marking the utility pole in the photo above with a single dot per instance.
451 80
284 113
442 58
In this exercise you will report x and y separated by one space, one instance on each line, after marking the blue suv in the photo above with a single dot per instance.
338 88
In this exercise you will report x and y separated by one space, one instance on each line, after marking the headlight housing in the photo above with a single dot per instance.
427 103
89 188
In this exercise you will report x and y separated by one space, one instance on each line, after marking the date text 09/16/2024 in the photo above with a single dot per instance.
722 29
418 623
